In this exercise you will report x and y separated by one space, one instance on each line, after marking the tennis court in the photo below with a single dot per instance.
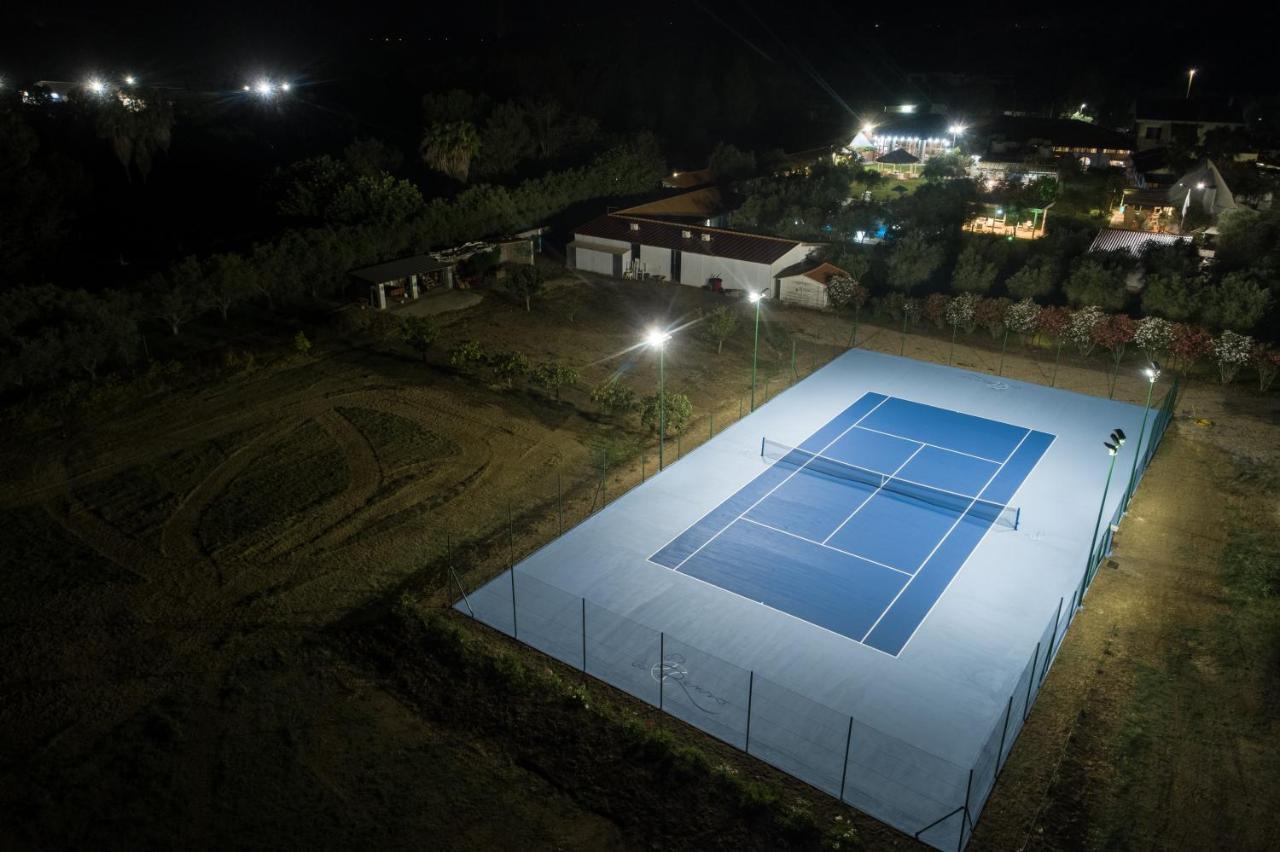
862 527
863 583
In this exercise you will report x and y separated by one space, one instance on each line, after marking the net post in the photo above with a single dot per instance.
1031 681
515 626
751 686
604 478
1017 517
511 540
1052 638
584 635
1008 711
761 446
793 360
662 664
559 506
844 770
642 465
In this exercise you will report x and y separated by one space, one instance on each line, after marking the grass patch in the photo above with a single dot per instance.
398 441
37 552
304 468
139 500
615 758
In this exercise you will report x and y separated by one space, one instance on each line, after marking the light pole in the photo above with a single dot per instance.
1191 75
956 130
657 338
1152 373
756 298
1116 442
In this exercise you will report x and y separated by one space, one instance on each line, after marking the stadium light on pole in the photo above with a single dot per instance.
657 338
756 298
1113 446
1152 372
956 130
1191 75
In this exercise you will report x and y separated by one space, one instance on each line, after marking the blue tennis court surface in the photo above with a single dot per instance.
863 556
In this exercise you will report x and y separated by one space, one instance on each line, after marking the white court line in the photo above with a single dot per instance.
935 446
771 490
824 545
1052 439
944 538
873 494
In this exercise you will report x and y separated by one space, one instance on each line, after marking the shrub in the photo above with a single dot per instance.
1232 351
1191 343
961 310
1022 318
552 375
989 313
1079 331
845 292
1266 360
613 397
719 324
678 413
467 354
507 366
301 344
419 333
1153 336
935 310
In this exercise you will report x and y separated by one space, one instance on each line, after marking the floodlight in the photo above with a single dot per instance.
957 129
1118 435
656 337
755 296
263 87
246 88
96 86
1199 184
999 211
1111 448
284 87
868 129
130 80
1152 372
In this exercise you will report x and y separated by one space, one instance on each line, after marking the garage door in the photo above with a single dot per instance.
803 291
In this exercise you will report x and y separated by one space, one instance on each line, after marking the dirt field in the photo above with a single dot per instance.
172 574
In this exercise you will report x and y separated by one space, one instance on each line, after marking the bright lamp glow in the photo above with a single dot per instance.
755 297
868 129
284 87
1200 184
656 337
957 129
263 87
96 86
130 80
246 88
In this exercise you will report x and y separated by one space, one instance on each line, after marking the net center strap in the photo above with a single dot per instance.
955 501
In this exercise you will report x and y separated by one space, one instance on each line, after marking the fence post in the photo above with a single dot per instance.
515 627
511 540
844 770
604 478
1053 635
679 451
559 506
711 426
584 635
793 359
642 460
966 819
751 686
662 665
1008 711
1031 681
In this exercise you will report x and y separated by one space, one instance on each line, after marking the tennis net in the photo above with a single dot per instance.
996 513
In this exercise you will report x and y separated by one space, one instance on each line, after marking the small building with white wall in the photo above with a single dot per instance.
636 247
805 284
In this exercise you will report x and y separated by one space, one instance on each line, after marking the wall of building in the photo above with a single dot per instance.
802 290
655 261
599 262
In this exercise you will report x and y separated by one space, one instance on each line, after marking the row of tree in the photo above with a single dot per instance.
48 335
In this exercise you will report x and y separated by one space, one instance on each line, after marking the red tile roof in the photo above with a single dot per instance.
735 245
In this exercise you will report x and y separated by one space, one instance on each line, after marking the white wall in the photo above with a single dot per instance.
655 261
598 262
696 269
802 290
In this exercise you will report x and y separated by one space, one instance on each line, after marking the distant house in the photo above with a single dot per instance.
1009 138
806 283
1166 209
1134 242
1161 121
626 246
706 206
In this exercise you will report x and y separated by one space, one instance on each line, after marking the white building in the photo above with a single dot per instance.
635 247
806 283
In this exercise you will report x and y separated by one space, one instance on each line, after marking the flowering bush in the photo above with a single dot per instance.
844 292
1022 318
935 309
1053 322
1266 361
912 308
989 314
1233 351
893 305
1153 336
960 311
1114 333
1190 344
1079 331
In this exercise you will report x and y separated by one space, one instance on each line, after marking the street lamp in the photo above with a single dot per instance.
130 80
756 298
1113 446
657 338
956 130
1152 372
1191 75
96 86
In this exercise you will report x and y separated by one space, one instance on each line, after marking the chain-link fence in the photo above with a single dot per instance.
931 797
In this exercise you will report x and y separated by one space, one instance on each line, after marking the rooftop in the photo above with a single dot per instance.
714 242
1134 242
394 270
